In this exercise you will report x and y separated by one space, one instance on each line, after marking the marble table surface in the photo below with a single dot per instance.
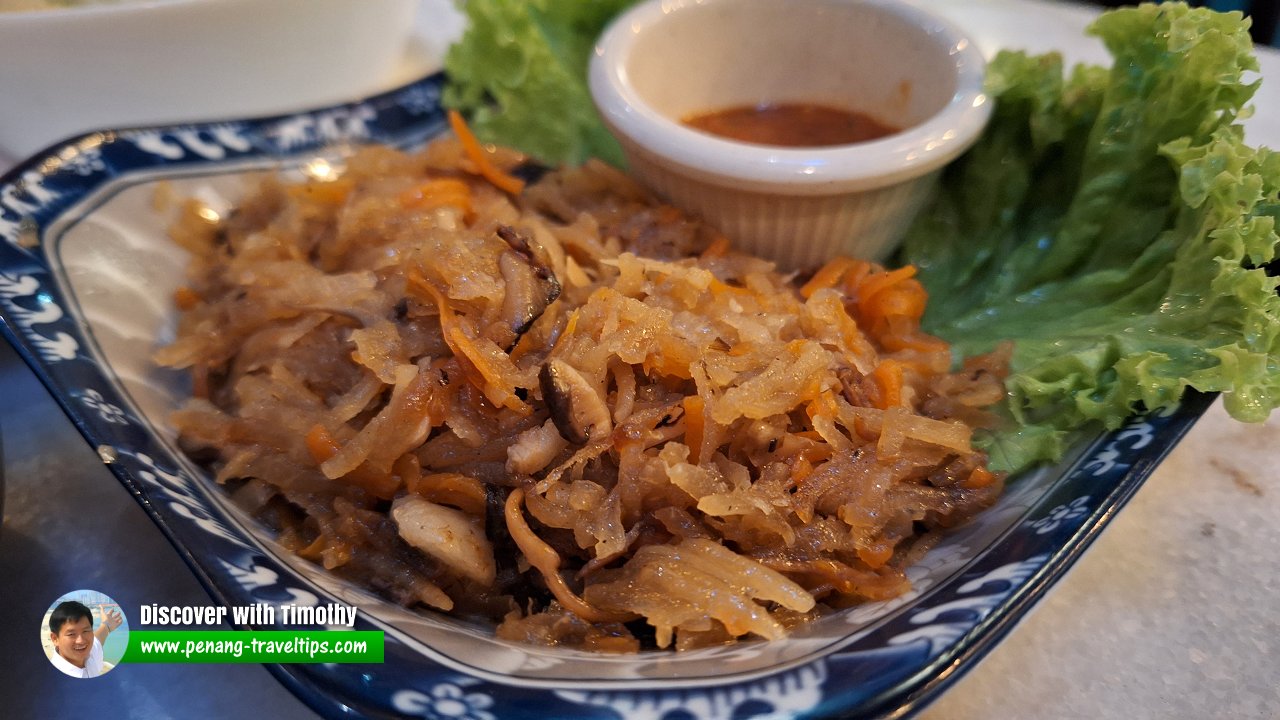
1173 613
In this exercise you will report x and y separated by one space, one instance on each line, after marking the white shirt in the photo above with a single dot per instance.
92 665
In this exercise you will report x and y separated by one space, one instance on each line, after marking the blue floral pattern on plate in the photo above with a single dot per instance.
74 231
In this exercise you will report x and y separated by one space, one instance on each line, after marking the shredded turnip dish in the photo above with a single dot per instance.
567 409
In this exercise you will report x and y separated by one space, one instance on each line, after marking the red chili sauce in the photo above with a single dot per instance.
790 125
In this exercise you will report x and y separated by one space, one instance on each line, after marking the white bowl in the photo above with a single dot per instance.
667 59
151 61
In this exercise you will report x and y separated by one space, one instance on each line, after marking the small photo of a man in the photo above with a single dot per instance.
76 641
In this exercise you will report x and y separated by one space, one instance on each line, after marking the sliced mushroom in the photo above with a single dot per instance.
853 385
531 286
534 449
448 535
576 407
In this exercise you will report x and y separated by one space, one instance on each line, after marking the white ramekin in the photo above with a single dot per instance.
664 60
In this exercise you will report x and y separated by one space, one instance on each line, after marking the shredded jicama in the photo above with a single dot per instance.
567 408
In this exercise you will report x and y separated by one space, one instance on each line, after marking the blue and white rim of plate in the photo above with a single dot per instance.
904 654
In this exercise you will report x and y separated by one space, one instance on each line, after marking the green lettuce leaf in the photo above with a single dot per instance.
519 75
1115 226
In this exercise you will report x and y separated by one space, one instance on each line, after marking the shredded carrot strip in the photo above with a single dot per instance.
918 341
888 375
322 446
818 453
569 326
825 405
873 284
448 318
855 276
890 305
328 192
314 550
877 555
502 180
864 429
442 192
835 573
980 477
671 359
487 378
905 299
718 248
719 287
185 298
917 364
695 425
491 377
801 470
812 389
828 275
895 311
917 298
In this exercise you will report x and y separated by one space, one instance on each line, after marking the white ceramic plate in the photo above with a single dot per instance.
86 277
